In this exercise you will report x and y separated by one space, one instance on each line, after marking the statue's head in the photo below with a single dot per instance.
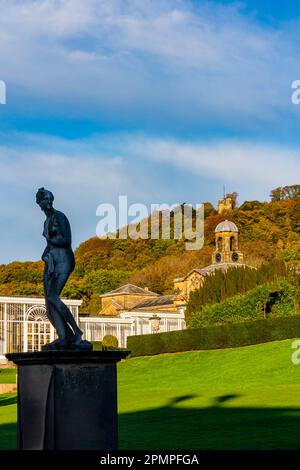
44 199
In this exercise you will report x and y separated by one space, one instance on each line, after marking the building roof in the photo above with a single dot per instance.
223 266
129 289
38 300
212 268
226 226
160 301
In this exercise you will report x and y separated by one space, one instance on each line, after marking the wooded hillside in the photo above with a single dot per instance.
267 230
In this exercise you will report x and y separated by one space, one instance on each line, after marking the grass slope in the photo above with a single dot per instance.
8 426
243 398
226 399
7 376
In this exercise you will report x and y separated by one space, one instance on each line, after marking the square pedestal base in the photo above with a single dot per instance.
67 400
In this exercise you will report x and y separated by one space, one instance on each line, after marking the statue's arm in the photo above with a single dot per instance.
61 236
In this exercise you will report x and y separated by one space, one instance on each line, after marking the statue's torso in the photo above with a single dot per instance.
62 256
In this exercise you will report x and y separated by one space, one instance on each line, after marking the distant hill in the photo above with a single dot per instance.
267 230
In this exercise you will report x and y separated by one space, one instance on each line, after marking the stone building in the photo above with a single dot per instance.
226 255
124 298
133 298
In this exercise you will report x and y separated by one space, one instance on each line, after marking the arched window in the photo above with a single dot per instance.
219 244
37 328
36 313
233 245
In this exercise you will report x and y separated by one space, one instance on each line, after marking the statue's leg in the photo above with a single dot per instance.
53 306
68 317
57 285
50 315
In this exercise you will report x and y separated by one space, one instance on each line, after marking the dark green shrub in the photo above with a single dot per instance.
110 342
268 300
224 285
216 337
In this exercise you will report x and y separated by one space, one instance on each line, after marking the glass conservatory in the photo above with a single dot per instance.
24 326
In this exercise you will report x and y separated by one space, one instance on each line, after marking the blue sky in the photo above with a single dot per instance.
162 100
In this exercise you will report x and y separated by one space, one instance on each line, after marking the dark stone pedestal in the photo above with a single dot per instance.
67 400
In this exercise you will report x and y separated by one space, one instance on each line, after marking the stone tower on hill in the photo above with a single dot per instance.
227 203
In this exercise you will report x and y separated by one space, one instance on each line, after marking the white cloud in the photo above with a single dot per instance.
106 166
235 161
27 168
151 60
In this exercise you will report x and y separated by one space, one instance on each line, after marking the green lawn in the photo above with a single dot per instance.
7 376
244 398
8 427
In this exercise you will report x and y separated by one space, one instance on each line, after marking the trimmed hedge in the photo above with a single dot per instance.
215 337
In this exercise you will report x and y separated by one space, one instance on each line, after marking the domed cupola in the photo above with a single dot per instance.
226 226
227 239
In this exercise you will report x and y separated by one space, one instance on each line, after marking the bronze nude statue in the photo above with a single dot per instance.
59 263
